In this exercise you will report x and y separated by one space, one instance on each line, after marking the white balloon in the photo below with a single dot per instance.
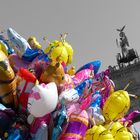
43 99
70 95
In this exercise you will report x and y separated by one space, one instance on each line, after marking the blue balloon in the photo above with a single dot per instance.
44 57
96 99
80 88
31 54
59 121
96 64
42 133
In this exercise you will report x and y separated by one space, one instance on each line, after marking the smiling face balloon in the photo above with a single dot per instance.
43 99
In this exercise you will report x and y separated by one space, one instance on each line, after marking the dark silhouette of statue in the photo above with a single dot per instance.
126 55
123 42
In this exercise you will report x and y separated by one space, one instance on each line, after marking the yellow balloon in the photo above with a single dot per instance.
71 71
50 47
102 134
59 54
61 49
3 48
116 105
123 134
69 51
98 133
90 133
119 132
34 43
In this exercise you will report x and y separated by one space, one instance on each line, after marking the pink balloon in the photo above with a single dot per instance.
81 76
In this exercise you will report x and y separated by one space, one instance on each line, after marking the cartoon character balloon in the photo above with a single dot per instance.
27 80
34 43
60 51
3 47
7 82
77 126
43 99
53 73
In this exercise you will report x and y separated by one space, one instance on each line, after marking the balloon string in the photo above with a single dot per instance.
132 95
110 125
127 85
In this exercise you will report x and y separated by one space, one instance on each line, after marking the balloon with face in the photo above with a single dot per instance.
43 99
53 73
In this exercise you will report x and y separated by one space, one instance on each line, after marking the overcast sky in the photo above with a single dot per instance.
91 24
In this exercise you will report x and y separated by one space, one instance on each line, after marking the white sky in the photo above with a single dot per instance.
91 24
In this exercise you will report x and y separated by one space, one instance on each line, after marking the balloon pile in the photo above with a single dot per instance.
41 99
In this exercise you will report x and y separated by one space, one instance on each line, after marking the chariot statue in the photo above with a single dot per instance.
126 55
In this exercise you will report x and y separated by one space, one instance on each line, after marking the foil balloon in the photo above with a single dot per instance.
90 133
119 132
34 43
69 51
38 67
71 71
77 126
42 133
69 95
7 82
3 47
128 119
86 83
16 62
60 50
116 106
104 85
81 76
95 115
59 54
68 82
18 130
98 133
60 121
37 123
40 99
6 118
72 107
53 73
96 99
31 54
51 46
91 100
96 65
6 44
26 82
21 46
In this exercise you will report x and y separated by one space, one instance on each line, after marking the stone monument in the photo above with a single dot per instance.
127 70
